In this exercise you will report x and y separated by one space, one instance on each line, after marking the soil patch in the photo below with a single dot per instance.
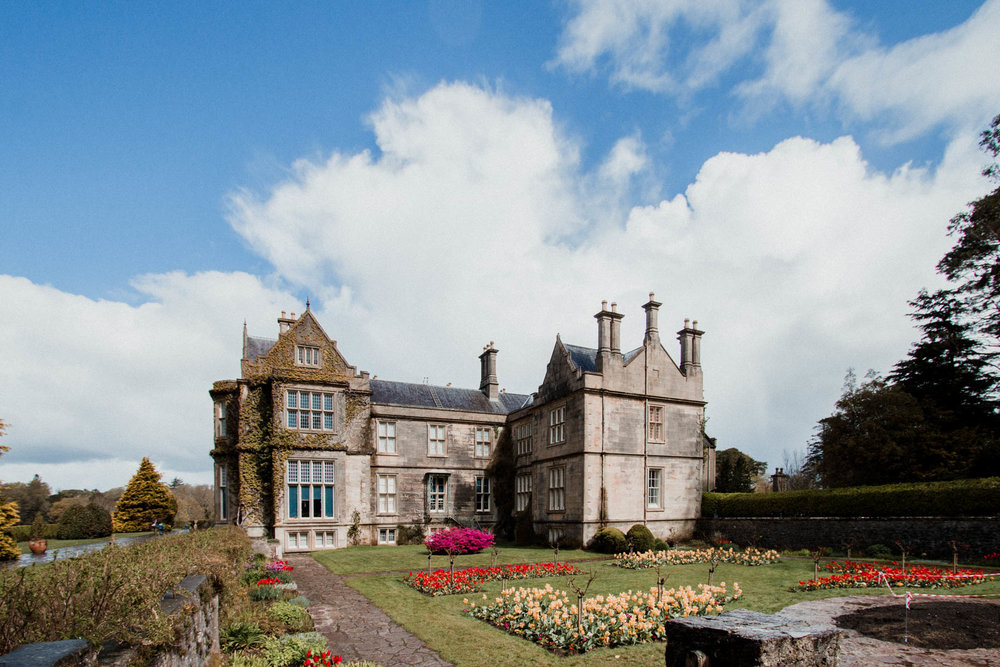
934 625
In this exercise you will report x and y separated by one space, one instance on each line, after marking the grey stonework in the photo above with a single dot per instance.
604 448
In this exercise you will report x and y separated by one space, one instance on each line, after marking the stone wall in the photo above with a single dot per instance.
194 604
929 535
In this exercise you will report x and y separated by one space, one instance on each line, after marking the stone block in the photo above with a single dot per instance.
749 638
46 654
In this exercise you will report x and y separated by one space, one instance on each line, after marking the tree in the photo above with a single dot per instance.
145 500
32 498
194 503
8 517
973 264
736 472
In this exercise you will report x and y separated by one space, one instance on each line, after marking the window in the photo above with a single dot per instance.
298 540
309 410
220 419
482 494
522 435
557 489
386 535
309 489
306 356
223 500
557 423
656 423
483 442
435 440
436 486
386 494
387 437
522 494
653 480
326 539
555 534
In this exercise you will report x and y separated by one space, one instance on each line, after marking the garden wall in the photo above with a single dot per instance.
195 605
929 535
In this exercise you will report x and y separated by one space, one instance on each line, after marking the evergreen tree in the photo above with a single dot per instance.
8 518
146 500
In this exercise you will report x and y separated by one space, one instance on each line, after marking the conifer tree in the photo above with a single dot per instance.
145 501
8 518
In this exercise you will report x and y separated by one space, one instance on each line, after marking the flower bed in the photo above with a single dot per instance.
548 618
851 574
470 580
751 556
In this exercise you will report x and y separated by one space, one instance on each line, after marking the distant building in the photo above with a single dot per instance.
311 451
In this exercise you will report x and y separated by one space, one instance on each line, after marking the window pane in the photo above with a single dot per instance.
316 418
303 399
293 471
305 502
391 429
293 399
328 506
328 421
293 502
316 398
317 472
293 421
328 472
382 428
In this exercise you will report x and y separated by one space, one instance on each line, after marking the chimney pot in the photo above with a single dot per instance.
614 306
282 313
695 324
650 296
293 316
604 304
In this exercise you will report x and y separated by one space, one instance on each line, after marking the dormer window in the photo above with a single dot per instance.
306 356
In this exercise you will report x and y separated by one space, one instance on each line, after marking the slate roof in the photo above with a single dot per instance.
449 398
585 358
258 347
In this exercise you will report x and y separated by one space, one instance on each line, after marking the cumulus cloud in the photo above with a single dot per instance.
476 222
809 54
101 384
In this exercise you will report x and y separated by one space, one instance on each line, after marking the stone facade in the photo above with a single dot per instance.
316 454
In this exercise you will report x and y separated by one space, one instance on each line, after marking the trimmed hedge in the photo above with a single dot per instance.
608 540
965 497
23 533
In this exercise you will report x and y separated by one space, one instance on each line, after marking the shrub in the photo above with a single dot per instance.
290 650
640 537
879 551
964 497
608 540
81 522
259 593
300 601
294 617
459 541
660 545
241 635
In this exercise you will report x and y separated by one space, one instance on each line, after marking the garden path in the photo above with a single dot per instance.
355 628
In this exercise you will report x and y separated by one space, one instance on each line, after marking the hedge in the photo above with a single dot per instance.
966 497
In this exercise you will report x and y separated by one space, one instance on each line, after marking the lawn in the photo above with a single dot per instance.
58 544
468 642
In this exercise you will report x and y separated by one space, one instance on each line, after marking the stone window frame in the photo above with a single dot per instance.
437 500
483 447
432 430
557 489
656 425
294 405
223 483
326 539
390 507
298 536
522 493
483 494
557 425
387 536
296 479
522 436
654 474
309 356
389 441
220 419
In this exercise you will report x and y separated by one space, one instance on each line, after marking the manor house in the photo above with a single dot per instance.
318 455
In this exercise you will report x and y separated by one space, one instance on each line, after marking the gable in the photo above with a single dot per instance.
303 353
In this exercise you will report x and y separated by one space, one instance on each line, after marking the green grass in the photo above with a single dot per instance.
410 557
58 544
468 642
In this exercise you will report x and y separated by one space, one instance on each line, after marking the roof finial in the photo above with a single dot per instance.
307 304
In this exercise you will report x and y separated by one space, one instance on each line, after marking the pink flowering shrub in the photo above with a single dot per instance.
459 541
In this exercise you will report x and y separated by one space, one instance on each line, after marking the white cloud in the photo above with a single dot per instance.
798 262
811 56
90 387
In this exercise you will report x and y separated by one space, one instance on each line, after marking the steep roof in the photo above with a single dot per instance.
258 347
585 358
412 394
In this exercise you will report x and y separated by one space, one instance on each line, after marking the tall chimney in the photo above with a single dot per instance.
608 336
488 383
690 338
285 323
652 309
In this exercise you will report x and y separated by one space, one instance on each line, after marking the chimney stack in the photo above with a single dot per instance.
690 338
652 309
285 323
608 336
488 383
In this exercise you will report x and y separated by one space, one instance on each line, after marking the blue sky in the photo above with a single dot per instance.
437 175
